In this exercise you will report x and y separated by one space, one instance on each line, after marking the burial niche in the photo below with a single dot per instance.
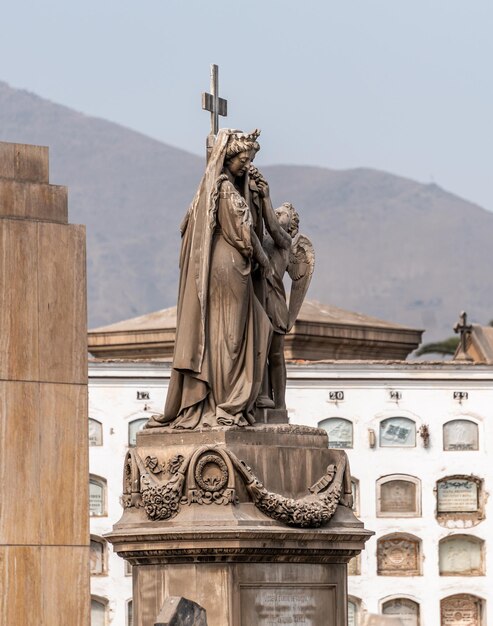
354 566
399 554
460 434
461 555
397 432
459 499
405 609
130 613
398 495
353 611
97 556
133 429
461 610
355 494
97 496
99 609
95 433
339 432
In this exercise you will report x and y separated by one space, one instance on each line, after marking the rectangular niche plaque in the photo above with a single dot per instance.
460 610
457 495
302 604
398 497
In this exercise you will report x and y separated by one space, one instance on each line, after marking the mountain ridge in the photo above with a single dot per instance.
386 245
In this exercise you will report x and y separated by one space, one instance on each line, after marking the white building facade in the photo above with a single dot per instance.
418 437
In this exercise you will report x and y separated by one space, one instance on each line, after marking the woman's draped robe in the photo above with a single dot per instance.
223 333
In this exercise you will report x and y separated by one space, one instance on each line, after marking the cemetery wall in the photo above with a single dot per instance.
390 417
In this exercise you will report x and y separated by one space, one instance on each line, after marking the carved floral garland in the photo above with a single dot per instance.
162 501
309 512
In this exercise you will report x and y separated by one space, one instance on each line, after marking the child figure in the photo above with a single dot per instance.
298 261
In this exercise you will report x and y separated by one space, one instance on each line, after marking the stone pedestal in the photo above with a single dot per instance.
44 534
225 518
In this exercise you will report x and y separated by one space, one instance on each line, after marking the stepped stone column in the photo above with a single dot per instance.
44 523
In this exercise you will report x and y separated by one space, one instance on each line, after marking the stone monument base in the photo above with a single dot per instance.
198 522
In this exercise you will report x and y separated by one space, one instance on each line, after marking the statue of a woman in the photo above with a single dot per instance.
223 332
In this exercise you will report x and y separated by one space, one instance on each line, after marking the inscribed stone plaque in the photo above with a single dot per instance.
96 557
398 497
397 432
460 556
457 495
406 610
352 611
339 432
300 605
96 498
95 433
133 429
460 610
460 435
398 556
98 613
130 613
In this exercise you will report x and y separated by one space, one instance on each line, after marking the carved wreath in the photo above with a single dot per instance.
162 500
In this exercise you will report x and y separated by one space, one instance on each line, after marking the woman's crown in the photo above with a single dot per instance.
246 137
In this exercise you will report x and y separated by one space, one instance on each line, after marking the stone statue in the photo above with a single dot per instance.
223 332
234 505
298 260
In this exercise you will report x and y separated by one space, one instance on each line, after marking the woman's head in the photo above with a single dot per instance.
242 142
240 151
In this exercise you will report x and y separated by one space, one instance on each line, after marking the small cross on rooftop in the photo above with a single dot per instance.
464 330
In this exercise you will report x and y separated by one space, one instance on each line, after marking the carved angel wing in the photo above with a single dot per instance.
300 270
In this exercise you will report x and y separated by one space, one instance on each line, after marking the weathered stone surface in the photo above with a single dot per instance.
38 201
398 555
404 609
253 521
461 556
43 399
19 333
398 498
457 495
228 553
461 435
286 448
461 610
24 162
178 611
380 620
25 191
266 604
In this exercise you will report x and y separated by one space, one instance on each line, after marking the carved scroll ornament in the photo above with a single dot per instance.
208 477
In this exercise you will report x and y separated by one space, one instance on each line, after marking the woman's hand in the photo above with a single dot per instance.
260 181
263 187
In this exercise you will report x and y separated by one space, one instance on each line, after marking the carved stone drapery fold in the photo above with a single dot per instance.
208 477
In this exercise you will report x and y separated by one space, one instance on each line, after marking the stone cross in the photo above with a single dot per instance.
463 329
216 105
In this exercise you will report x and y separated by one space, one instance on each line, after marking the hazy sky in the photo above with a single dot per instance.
398 85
